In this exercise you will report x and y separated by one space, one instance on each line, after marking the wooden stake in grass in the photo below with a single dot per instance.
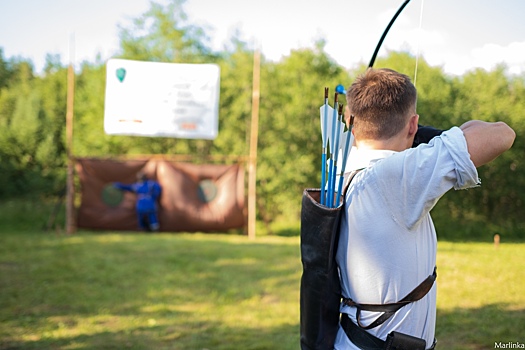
496 240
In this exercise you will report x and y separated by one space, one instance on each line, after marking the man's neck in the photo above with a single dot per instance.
393 144
401 141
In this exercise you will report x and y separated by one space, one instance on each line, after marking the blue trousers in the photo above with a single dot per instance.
148 220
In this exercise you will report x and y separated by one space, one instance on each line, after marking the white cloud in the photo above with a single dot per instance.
490 55
351 29
486 57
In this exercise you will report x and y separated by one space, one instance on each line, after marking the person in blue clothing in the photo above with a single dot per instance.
148 192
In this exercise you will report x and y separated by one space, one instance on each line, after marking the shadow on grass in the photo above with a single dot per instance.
166 337
480 328
94 291
135 291
473 329
288 232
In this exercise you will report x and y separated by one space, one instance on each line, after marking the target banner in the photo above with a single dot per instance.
194 198
162 99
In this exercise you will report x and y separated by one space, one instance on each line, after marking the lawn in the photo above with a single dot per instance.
111 290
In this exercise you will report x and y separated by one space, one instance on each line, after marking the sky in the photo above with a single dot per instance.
458 35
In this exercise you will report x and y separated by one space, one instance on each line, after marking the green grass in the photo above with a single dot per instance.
481 295
137 291
108 290
162 291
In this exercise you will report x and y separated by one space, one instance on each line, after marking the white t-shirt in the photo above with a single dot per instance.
387 244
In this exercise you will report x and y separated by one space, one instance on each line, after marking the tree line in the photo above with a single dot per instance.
33 108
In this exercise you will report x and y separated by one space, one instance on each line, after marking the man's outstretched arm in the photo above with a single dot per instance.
486 141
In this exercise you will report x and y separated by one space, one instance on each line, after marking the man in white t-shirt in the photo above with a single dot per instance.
387 244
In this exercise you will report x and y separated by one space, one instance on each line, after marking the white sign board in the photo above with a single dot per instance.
162 99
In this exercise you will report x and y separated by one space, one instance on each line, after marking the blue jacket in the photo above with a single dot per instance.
148 192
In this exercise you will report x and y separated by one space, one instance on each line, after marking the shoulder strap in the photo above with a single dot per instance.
348 181
390 309
337 223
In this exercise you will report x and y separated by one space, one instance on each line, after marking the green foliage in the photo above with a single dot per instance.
6 71
235 103
492 96
290 144
31 149
33 109
163 34
89 137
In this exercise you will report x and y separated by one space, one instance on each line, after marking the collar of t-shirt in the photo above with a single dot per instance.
363 158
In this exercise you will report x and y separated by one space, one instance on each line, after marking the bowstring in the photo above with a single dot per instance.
418 53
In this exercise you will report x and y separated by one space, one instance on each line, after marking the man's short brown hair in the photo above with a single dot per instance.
381 100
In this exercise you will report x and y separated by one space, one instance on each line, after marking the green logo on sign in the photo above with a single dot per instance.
121 74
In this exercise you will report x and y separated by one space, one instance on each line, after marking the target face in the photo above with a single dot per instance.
207 191
112 196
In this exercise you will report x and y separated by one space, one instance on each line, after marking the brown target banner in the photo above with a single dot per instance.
195 198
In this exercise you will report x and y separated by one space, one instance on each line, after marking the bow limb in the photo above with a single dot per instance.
373 59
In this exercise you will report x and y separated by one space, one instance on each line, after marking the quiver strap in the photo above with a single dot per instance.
390 309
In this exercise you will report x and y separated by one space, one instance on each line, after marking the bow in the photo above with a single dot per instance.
332 187
373 59
424 133
340 88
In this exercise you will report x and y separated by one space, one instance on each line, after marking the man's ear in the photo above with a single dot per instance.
414 120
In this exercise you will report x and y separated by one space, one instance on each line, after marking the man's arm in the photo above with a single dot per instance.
486 141
156 190
123 187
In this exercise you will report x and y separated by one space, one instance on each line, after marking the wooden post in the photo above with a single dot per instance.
70 190
254 131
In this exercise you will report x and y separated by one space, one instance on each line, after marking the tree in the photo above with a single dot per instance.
163 34
32 119
5 71
235 101
19 118
493 96
290 144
